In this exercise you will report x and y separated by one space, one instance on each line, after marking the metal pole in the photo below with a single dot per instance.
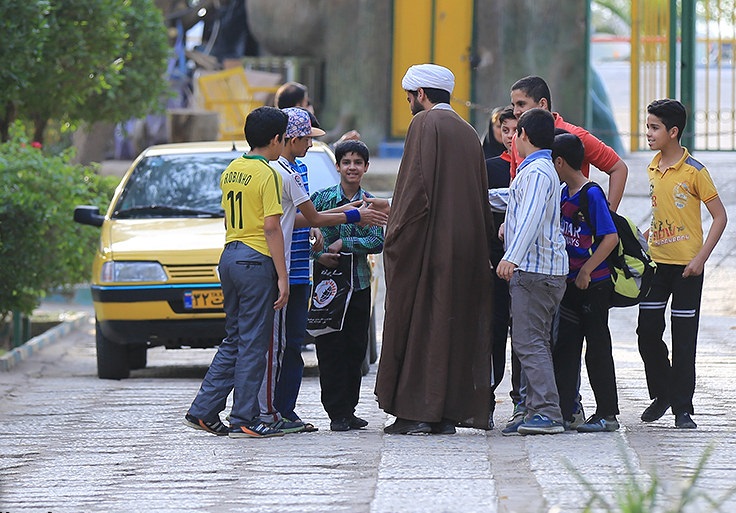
687 70
635 72
672 60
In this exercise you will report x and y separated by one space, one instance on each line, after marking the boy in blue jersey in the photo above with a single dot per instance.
535 265
584 307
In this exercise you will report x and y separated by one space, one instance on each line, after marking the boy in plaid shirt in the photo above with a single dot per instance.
340 354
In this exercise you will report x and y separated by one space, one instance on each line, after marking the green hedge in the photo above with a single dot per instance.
41 247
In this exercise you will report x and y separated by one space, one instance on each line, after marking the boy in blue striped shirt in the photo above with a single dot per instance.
536 266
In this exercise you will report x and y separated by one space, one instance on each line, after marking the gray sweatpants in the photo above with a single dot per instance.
534 301
249 287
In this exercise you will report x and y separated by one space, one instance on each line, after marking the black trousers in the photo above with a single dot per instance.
340 356
674 381
584 315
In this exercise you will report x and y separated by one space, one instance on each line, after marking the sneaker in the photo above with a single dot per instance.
540 425
255 430
216 427
340 425
357 422
287 426
683 421
512 426
598 424
655 410
578 418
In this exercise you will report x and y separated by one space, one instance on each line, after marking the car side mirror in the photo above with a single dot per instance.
88 214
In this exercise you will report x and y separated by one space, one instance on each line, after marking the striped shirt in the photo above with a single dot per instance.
299 269
533 237
358 240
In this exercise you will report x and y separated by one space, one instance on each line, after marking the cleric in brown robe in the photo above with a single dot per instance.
435 366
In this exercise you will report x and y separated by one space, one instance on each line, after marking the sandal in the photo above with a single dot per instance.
309 428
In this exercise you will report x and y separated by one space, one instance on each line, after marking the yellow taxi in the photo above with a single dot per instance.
154 279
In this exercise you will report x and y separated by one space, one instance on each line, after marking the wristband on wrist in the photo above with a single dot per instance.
352 216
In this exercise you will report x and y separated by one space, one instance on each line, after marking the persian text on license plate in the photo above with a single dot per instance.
202 299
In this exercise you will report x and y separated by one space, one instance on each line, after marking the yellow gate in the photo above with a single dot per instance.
436 31
656 68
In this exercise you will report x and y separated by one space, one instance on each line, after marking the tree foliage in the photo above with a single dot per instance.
81 60
41 248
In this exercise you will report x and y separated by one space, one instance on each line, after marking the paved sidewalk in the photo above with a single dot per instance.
72 442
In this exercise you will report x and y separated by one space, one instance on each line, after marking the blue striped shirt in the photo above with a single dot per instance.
533 237
299 269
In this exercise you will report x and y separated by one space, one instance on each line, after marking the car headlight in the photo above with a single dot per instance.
132 271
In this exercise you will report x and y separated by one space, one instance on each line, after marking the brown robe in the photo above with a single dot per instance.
436 355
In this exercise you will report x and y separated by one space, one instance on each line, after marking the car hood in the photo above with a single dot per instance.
168 241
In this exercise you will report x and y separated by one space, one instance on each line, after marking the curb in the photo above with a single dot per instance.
18 354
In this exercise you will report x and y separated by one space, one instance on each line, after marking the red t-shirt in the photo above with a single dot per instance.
597 152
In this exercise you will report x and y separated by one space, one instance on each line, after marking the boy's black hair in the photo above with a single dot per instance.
348 146
263 124
671 112
539 126
506 113
290 95
434 95
535 88
569 147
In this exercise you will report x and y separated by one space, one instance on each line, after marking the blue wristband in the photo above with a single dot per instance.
352 216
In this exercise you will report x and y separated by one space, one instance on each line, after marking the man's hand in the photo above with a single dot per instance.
283 293
335 247
316 240
380 204
371 216
693 268
505 270
582 280
501 230
352 135
330 260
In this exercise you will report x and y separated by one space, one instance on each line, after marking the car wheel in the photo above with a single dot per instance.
112 358
137 357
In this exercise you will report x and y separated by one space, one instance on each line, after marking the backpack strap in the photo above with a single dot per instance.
584 202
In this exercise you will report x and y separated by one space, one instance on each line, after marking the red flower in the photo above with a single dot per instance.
36 145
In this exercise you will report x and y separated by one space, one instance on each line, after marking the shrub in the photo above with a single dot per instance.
41 248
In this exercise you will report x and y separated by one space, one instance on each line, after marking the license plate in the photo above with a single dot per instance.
202 299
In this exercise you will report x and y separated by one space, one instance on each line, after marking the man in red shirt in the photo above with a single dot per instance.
530 92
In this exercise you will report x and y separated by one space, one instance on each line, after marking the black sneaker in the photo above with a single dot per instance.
357 422
655 410
599 424
287 426
342 424
683 421
216 427
254 430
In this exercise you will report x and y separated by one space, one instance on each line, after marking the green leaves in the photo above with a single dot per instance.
41 248
81 60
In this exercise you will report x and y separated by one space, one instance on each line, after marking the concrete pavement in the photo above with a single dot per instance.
71 442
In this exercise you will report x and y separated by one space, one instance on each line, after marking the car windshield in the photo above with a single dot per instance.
184 185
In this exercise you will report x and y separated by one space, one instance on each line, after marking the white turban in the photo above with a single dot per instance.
428 75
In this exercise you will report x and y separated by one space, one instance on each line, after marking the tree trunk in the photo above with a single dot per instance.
39 127
6 121
358 66
517 38
93 142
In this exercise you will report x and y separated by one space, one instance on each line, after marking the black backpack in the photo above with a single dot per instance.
632 269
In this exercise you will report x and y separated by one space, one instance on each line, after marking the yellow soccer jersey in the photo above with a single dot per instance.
251 191
676 233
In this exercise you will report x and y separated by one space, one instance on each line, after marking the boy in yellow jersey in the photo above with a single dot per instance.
254 282
677 185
